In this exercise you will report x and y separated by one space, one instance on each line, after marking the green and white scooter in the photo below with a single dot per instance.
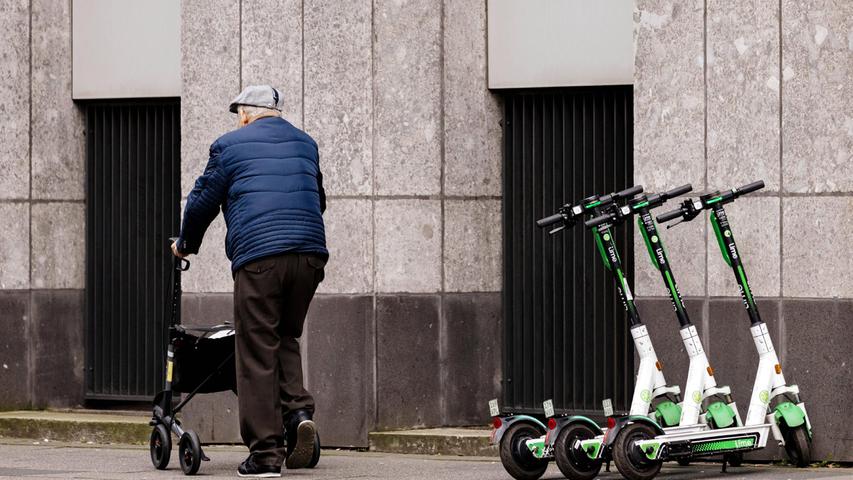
774 406
705 404
652 396
524 449
701 387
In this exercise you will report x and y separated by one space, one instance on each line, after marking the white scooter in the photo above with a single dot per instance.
701 387
638 451
526 445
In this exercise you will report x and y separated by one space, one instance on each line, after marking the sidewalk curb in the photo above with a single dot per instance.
435 441
100 428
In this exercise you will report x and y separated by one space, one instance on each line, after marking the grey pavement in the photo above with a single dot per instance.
26 460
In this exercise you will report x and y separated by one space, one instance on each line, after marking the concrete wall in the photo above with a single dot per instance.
405 329
42 208
710 109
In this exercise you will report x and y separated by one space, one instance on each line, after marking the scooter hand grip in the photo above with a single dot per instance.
544 222
751 187
677 191
630 191
672 215
594 222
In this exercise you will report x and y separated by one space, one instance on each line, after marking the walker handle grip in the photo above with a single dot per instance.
179 263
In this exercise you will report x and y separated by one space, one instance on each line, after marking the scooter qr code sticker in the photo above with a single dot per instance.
493 408
607 405
548 405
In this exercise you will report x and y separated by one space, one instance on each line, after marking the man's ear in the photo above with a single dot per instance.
244 119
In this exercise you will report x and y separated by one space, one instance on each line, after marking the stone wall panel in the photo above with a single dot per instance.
407 52
338 98
15 79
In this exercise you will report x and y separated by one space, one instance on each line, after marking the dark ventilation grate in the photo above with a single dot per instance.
133 174
565 335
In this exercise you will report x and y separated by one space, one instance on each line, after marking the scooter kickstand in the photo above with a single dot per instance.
607 468
725 462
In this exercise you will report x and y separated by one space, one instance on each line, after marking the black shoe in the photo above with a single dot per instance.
251 469
300 432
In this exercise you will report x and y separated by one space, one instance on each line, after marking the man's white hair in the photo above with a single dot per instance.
254 112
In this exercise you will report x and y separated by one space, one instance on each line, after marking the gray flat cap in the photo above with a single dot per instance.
258 96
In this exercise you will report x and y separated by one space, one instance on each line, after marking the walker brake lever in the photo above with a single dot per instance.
561 227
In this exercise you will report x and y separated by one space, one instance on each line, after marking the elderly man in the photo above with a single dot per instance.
265 176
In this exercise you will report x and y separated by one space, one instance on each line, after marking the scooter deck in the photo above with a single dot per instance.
593 448
708 442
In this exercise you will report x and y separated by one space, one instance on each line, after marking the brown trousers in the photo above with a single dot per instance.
271 299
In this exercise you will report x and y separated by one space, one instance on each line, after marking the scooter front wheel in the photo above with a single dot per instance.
631 462
517 459
574 462
798 445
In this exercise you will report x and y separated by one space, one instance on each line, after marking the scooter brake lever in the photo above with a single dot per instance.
674 224
561 227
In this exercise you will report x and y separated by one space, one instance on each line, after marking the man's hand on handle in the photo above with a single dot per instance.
177 252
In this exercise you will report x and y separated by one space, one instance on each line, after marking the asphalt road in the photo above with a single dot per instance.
26 460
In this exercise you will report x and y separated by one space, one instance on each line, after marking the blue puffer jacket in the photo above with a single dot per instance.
266 179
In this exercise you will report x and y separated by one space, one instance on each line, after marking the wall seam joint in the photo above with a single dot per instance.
705 142
30 151
442 350
781 166
240 41
373 213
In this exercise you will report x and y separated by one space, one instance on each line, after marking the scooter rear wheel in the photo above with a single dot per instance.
517 459
573 462
798 445
631 462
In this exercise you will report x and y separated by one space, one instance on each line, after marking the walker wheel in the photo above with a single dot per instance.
161 446
189 449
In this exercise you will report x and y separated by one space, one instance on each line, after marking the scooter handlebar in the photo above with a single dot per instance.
630 191
677 191
547 221
672 215
750 187
594 222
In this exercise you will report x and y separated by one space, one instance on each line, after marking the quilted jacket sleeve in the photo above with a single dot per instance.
203 203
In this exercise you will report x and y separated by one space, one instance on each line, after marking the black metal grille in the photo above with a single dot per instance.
566 335
133 173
